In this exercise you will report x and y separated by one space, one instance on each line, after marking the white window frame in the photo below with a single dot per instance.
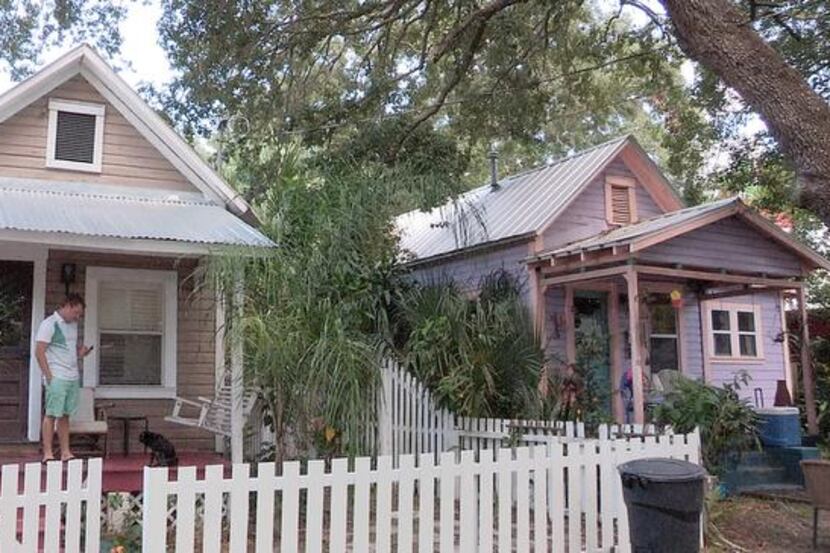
169 280
734 332
613 181
72 106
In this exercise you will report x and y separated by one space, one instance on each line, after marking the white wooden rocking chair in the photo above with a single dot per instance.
213 414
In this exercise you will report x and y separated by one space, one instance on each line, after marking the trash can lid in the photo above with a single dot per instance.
792 411
663 470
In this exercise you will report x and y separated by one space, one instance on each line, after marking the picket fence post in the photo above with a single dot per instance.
154 511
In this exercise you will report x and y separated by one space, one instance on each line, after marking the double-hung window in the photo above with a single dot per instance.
734 331
131 320
664 347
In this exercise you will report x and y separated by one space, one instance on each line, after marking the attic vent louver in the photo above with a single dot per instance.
75 137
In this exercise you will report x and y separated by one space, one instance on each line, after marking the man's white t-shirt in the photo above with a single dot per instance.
62 351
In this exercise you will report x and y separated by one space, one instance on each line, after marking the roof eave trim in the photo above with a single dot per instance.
470 250
746 213
157 131
655 237
776 233
581 188
657 172
29 90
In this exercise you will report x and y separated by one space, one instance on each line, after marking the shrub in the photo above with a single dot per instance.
727 423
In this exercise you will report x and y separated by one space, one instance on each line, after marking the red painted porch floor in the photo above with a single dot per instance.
124 473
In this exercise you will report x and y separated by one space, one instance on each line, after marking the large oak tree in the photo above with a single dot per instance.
719 35
541 77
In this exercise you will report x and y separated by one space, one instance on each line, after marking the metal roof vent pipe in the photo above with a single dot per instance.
494 169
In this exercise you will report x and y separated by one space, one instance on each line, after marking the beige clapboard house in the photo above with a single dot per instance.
98 195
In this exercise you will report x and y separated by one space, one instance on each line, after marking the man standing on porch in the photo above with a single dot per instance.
57 353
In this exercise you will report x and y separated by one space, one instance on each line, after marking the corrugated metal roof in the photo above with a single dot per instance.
626 234
120 212
522 204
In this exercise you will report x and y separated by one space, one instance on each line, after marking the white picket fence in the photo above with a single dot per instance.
56 511
559 497
411 422
562 496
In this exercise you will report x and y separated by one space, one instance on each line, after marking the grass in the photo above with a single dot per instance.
773 526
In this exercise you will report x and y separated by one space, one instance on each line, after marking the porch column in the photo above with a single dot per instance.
807 367
617 408
237 369
219 350
570 328
537 303
634 337
38 311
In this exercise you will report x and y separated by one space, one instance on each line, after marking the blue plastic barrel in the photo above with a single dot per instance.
779 426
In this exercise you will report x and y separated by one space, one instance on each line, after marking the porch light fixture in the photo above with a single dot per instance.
68 272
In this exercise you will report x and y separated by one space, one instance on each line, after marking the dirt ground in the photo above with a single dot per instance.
769 525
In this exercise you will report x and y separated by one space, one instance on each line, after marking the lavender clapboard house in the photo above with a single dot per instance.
587 233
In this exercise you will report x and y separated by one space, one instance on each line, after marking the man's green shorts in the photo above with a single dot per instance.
62 397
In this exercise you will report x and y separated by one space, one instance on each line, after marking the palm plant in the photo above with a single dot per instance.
480 356
314 307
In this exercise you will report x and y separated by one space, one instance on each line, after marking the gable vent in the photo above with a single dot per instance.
620 200
75 137
620 206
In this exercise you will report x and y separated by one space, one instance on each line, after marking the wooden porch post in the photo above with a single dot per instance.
570 327
807 367
617 408
634 337
237 369
537 303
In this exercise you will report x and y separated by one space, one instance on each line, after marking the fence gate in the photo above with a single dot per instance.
56 508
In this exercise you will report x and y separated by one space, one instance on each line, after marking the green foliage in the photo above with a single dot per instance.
27 27
316 305
821 366
539 78
591 372
727 423
480 356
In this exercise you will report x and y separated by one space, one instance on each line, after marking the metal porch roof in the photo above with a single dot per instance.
121 212
627 234
522 204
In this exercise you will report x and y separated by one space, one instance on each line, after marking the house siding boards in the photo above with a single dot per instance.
728 244
586 216
764 374
195 344
468 271
128 158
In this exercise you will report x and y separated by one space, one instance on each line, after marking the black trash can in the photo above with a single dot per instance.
664 498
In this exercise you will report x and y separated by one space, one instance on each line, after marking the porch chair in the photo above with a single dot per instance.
90 420
212 414
817 482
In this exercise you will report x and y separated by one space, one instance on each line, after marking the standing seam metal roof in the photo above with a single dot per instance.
120 212
521 204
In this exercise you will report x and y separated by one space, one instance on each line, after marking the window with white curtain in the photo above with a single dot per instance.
131 320
130 332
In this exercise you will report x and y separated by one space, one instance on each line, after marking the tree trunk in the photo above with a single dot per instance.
719 36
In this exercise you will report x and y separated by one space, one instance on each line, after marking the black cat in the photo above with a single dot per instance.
163 452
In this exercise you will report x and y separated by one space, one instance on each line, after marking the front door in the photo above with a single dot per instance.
15 333
593 360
